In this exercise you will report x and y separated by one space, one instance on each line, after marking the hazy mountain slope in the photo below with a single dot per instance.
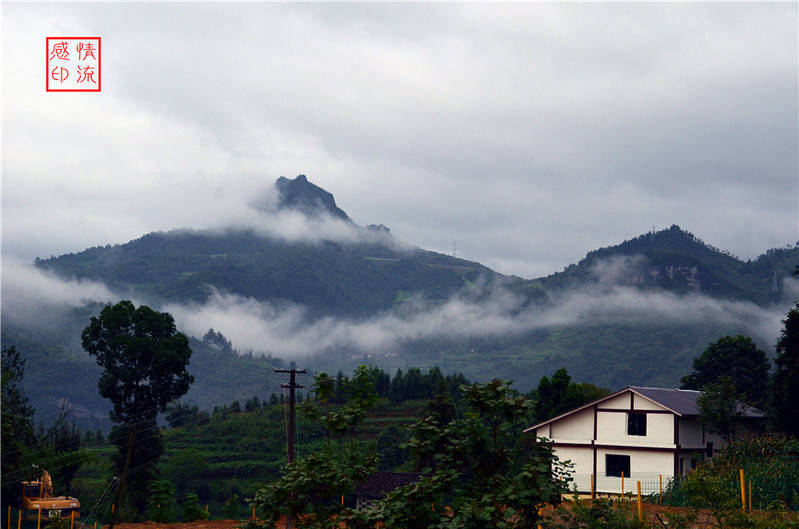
56 368
326 277
366 273
306 197
677 261
610 318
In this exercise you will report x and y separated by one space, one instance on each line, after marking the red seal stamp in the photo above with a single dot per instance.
73 64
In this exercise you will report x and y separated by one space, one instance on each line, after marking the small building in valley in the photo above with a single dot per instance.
645 433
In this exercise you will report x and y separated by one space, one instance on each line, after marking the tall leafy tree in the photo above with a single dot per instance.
559 394
719 407
735 357
482 477
785 382
17 429
144 361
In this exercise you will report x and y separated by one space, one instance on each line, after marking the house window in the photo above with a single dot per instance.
636 424
709 451
615 465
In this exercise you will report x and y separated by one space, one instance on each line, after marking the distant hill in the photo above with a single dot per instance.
306 197
56 368
677 261
327 277
371 274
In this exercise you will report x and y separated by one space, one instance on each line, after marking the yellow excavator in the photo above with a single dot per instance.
38 494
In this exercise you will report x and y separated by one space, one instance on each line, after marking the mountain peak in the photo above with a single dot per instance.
310 199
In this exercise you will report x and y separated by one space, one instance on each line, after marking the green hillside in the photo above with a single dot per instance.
327 277
355 281
677 261
56 368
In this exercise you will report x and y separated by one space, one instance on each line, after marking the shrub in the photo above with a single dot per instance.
191 508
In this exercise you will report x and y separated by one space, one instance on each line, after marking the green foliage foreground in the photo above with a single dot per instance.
476 473
770 463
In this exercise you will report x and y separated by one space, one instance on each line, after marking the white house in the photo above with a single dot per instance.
646 433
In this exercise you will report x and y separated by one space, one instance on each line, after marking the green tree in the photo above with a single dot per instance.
482 477
180 414
559 394
314 484
720 408
191 508
61 445
144 362
737 358
185 467
17 429
161 501
785 381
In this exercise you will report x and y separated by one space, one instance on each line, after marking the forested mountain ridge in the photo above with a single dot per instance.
348 278
373 272
370 275
677 261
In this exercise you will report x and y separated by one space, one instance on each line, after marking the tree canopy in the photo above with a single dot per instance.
480 474
143 357
785 382
144 361
739 359
17 429
720 408
559 395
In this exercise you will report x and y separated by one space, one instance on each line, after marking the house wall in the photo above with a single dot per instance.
612 427
576 427
544 431
583 461
620 402
645 466
652 456
642 403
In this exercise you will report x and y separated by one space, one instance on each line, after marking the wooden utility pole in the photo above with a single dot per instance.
292 385
115 505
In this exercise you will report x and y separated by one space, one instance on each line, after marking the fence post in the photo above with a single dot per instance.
72 520
39 518
743 492
622 483
593 487
19 520
640 513
750 495
660 500
9 517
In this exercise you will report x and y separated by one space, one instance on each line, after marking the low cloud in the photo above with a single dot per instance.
284 329
28 293
294 226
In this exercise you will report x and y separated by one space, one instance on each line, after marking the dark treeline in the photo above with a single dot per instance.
413 384
59 447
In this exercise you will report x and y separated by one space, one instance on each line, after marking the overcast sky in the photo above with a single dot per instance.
528 134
